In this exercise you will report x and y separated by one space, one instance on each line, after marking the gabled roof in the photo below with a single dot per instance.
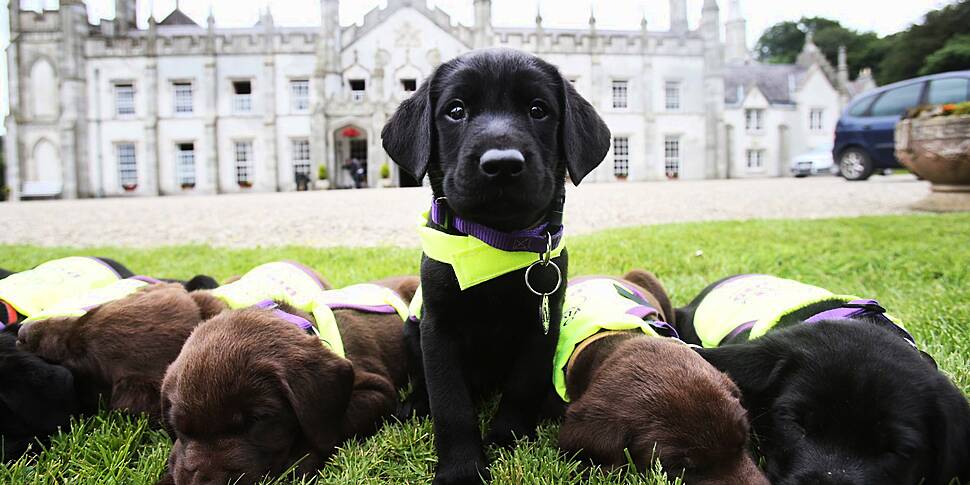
377 15
177 17
775 81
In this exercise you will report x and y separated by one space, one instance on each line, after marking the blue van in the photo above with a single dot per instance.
864 135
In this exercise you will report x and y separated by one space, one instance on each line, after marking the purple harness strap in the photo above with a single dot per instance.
146 279
533 240
301 322
859 308
381 309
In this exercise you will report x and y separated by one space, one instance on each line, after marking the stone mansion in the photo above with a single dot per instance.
181 108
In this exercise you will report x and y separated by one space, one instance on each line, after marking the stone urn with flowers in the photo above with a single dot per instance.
934 142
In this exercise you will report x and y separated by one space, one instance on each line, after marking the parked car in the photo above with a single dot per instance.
864 135
816 161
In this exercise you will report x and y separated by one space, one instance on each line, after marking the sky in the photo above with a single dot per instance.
881 16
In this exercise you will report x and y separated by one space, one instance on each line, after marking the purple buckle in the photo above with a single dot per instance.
299 321
533 240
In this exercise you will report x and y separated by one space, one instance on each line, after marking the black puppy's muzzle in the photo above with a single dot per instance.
507 163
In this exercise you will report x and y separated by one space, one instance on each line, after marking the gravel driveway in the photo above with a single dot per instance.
387 216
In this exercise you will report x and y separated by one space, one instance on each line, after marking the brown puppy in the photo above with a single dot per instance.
252 394
649 395
118 351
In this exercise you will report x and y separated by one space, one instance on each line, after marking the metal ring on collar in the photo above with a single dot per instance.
558 277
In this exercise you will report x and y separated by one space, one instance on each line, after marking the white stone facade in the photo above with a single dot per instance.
180 108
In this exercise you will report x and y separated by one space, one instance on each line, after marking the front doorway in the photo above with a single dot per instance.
350 146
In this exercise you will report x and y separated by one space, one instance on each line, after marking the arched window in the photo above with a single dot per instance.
43 89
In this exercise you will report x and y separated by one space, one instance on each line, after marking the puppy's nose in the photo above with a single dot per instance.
502 163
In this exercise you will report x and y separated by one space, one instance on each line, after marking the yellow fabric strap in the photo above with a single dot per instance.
30 292
285 282
474 261
762 299
417 303
79 305
364 297
592 306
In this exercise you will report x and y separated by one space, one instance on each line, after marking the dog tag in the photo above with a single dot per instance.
544 314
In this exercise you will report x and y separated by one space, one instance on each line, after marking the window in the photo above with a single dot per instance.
621 156
127 165
300 95
185 164
672 95
124 99
672 156
244 163
861 106
357 88
620 94
756 160
242 99
897 101
301 157
952 90
409 85
815 122
754 120
183 97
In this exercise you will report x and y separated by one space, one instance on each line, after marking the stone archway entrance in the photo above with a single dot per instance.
350 153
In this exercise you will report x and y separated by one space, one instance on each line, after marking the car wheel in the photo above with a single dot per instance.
855 164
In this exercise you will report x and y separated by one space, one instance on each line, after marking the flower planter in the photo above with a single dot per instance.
321 184
938 150
386 183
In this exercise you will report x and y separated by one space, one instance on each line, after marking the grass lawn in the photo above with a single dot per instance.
917 266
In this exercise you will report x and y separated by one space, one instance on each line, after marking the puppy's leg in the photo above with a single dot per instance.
525 391
596 440
137 395
461 459
416 403
372 399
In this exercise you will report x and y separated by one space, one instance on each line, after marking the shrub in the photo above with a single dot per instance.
322 172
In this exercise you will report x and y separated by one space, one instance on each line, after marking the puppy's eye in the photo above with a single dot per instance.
537 111
456 111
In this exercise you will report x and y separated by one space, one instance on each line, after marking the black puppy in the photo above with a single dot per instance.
838 394
496 131
36 398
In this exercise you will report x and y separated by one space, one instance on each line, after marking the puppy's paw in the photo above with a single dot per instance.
466 472
504 435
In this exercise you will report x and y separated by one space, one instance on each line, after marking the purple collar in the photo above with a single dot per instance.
299 321
535 240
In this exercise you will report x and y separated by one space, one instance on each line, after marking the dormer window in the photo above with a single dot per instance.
242 98
357 89
409 85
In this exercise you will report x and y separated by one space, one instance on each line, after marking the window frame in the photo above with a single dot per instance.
357 95
175 97
184 177
678 89
759 120
242 103
127 182
298 163
404 84
299 102
620 94
929 89
116 87
761 156
243 168
672 162
820 126
923 86
621 161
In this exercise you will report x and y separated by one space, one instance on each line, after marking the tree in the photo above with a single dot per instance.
909 51
954 56
782 43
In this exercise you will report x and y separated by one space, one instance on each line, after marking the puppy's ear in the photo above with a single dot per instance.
136 395
585 137
648 281
754 367
408 137
950 435
317 385
201 282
